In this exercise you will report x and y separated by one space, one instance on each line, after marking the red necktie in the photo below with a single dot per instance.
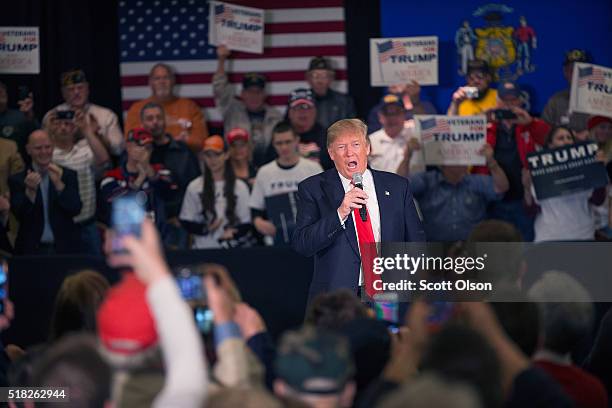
367 248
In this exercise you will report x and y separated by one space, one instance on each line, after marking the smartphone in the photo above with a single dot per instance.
471 92
3 284
204 319
126 219
65 114
191 286
22 92
504 114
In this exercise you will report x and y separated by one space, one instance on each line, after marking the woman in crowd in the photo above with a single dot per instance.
216 204
240 152
567 217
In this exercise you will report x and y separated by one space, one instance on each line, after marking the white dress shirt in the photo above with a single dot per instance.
387 153
372 205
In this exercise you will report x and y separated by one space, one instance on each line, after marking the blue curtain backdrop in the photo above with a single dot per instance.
559 25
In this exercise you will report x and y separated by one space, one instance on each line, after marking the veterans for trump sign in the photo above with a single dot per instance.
401 60
19 50
566 170
452 140
591 90
237 27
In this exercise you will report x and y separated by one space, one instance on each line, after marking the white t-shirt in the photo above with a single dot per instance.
272 179
192 209
387 153
81 159
564 218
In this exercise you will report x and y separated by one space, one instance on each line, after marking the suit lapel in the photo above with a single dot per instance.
385 206
332 186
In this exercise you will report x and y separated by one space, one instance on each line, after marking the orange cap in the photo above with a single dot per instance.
214 143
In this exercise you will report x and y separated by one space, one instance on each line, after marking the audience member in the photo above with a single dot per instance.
10 163
103 121
143 314
77 303
409 95
301 114
172 154
396 141
183 117
512 140
152 182
468 101
567 317
556 112
250 112
331 105
240 149
505 263
567 217
86 157
332 310
600 130
598 361
279 177
430 391
315 367
216 204
16 125
45 199
453 201
75 364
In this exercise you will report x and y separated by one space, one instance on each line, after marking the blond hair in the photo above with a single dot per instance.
344 126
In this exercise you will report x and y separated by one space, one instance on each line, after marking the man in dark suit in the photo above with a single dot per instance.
329 225
45 198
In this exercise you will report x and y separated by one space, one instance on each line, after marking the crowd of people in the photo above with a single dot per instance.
58 180
138 344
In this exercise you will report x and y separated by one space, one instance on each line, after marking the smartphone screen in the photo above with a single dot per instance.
3 284
204 319
126 219
190 285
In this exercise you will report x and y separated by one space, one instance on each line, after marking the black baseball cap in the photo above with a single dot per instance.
576 55
253 79
320 63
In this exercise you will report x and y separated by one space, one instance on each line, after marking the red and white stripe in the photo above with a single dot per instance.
293 34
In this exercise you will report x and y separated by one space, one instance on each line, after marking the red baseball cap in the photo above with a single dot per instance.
125 322
140 136
596 120
237 134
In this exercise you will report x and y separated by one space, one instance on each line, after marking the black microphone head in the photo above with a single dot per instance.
357 179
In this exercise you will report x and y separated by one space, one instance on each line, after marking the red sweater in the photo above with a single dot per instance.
585 389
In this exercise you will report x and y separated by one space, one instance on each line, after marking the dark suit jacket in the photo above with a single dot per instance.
319 232
62 208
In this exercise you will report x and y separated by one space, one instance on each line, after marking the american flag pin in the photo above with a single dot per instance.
387 193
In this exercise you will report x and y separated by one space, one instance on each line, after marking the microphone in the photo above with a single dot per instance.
358 182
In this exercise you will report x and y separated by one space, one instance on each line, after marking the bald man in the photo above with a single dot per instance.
45 198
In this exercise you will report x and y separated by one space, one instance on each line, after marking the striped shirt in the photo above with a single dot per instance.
81 159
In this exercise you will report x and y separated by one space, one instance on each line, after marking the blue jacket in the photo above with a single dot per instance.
319 231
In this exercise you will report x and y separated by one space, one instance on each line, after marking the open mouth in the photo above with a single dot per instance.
352 165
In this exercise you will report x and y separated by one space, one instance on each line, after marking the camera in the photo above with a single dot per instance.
65 114
471 92
190 284
501 114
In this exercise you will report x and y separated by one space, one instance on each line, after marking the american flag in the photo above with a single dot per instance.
176 32
389 48
223 13
590 74
434 125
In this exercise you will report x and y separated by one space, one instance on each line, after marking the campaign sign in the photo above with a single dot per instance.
401 60
591 90
566 170
19 50
282 211
237 27
452 140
